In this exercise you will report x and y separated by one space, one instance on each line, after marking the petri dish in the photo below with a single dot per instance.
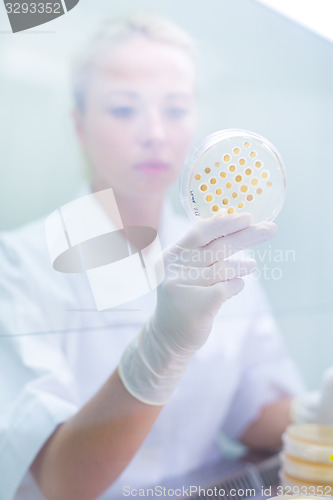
302 469
315 487
233 171
310 442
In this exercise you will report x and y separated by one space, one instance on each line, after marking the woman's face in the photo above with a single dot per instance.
139 116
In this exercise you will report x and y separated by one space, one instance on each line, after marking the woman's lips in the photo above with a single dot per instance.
152 167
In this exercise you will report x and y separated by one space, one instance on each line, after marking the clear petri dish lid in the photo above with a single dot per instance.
302 469
314 488
233 171
312 433
309 442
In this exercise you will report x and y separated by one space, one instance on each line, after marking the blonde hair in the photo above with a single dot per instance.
115 31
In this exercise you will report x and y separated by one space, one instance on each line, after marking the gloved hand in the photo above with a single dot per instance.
315 407
199 277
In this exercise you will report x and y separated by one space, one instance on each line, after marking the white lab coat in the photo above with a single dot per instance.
56 350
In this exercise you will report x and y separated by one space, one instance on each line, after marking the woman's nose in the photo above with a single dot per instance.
152 129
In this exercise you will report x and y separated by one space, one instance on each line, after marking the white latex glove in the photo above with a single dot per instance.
198 279
315 407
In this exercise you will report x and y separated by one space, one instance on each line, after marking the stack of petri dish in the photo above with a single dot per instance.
307 460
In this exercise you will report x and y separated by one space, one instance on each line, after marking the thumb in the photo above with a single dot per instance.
325 409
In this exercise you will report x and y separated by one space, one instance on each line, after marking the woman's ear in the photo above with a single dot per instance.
79 126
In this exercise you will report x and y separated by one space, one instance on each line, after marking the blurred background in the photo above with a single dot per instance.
259 71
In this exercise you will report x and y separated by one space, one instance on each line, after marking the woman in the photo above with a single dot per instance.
126 399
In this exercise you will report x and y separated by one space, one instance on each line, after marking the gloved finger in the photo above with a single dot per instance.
220 292
325 408
205 231
257 233
223 247
304 408
207 276
205 302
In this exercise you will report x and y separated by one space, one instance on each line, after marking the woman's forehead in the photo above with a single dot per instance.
143 59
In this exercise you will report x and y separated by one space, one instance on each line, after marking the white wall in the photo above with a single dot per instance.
260 72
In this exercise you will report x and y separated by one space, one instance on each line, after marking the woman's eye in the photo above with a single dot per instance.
175 112
122 111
